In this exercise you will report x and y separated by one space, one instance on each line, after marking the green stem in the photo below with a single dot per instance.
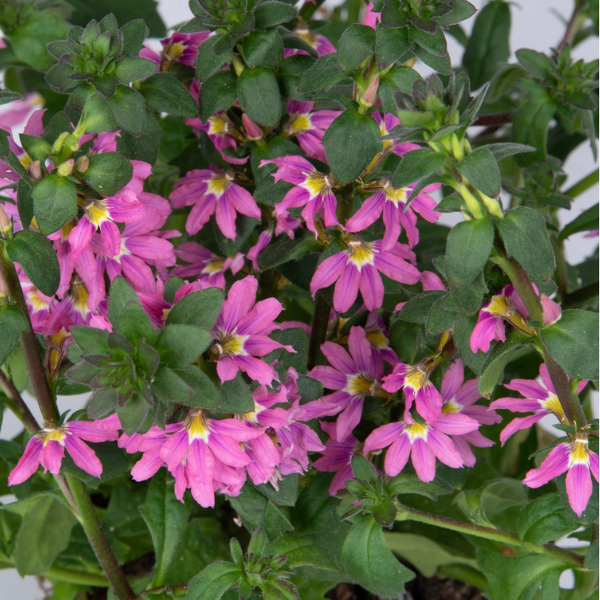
29 343
77 577
17 404
319 329
573 25
498 535
583 185
95 534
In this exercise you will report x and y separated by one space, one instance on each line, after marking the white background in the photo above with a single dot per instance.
536 25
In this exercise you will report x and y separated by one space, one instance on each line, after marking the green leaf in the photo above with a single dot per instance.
303 552
398 79
54 203
351 142
166 518
368 560
198 308
145 146
7 96
206 394
423 553
417 309
409 483
179 345
488 46
114 464
97 115
217 93
270 14
481 169
258 94
468 249
416 165
44 533
530 123
135 324
545 520
515 577
500 356
322 75
263 49
134 33
12 324
108 172
433 42
37 148
207 61
167 386
132 68
212 582
573 343
439 63
526 238
504 149
586 221
120 295
235 394
37 258
391 45
129 108
90 340
355 46
439 319
165 93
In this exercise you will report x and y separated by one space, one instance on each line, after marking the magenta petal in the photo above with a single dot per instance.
147 466
255 368
579 487
329 377
225 216
239 302
423 461
367 214
28 463
200 214
360 349
228 451
371 287
383 436
338 358
528 388
488 328
52 455
328 272
346 288
83 456
349 418
452 380
260 318
555 464
227 368
441 445
456 424
519 423
396 268
516 405
397 456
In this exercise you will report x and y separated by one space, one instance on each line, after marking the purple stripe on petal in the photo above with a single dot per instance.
328 272
346 288
349 419
397 456
260 318
423 461
383 436
83 456
555 464
579 487
517 424
371 287
28 463
452 380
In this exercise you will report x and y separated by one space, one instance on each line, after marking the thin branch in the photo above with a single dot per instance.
26 416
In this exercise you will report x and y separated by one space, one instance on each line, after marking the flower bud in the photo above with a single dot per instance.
493 205
370 94
82 164
253 130
66 168
59 143
5 222
35 170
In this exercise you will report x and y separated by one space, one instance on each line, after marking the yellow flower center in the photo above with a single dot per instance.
197 425
79 296
307 35
297 124
52 434
451 406
214 265
253 415
416 431
553 403
360 253
579 451
317 183
96 211
377 338
395 195
361 385
416 378
500 305
35 302
174 50
218 184
229 344
219 124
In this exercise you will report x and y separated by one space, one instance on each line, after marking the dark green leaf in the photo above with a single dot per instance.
504 149
217 93
351 142
12 323
500 356
37 148
355 46
263 49
235 394
586 221
481 169
134 33
286 495
573 343
114 464
259 96
409 483
544 520
417 309
108 172
440 63
166 518
206 394
54 203
398 79
179 345
391 45
198 308
526 238
44 533
488 46
7 96
132 68
145 146
97 115
433 42
129 108
207 61
366 557
468 249
417 164
37 258
303 552
322 75
270 14
165 93
120 294
214 581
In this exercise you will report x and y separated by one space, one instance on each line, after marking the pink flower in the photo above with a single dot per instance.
208 266
541 399
182 47
371 18
319 42
391 202
354 376
358 267
578 461
414 380
459 397
377 336
422 442
312 189
213 191
241 333
507 305
337 458
309 127
47 447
